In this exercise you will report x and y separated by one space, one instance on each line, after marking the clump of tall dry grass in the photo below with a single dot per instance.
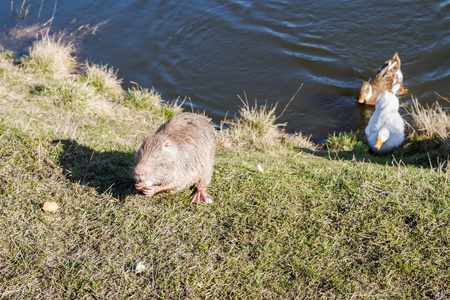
75 95
143 99
432 123
256 126
298 141
6 54
168 110
6 61
104 79
259 121
51 56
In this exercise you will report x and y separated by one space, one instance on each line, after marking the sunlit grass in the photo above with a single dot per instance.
51 56
317 223
253 126
168 110
431 122
346 141
256 127
142 98
6 61
104 79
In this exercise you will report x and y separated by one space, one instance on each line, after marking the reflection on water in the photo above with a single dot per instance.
210 51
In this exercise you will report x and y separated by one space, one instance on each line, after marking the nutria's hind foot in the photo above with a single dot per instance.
201 196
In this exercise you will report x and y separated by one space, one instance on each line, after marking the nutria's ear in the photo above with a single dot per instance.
167 143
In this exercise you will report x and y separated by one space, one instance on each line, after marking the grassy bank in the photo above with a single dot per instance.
320 222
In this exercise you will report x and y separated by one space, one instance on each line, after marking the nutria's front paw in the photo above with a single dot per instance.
140 185
150 190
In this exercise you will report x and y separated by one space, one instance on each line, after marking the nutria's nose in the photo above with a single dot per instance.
139 171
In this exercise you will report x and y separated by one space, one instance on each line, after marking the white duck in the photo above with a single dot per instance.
386 128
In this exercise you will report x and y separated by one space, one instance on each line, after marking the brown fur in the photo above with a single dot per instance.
179 155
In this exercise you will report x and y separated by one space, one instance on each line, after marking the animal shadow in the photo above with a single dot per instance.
109 171
428 154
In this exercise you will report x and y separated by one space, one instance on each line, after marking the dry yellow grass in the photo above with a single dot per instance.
51 56
104 79
142 98
431 121
298 140
6 61
310 226
256 126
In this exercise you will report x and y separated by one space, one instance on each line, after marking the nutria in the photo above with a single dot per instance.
179 155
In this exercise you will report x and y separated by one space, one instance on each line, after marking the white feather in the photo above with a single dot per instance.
399 76
398 80
396 88
391 65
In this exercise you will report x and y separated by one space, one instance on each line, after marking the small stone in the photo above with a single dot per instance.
140 267
258 169
50 206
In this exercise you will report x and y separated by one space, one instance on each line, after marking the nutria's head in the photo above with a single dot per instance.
154 159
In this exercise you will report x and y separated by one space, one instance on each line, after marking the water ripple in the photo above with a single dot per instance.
211 50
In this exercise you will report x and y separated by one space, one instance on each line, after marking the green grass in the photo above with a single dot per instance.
327 222
142 98
346 141
103 79
50 56
305 227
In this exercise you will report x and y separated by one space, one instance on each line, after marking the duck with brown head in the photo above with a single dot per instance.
388 78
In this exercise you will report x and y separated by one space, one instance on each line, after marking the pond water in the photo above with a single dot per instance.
211 51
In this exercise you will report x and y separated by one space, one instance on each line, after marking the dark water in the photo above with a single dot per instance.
210 51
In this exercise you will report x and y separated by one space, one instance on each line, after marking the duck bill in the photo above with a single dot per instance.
402 89
378 144
361 98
